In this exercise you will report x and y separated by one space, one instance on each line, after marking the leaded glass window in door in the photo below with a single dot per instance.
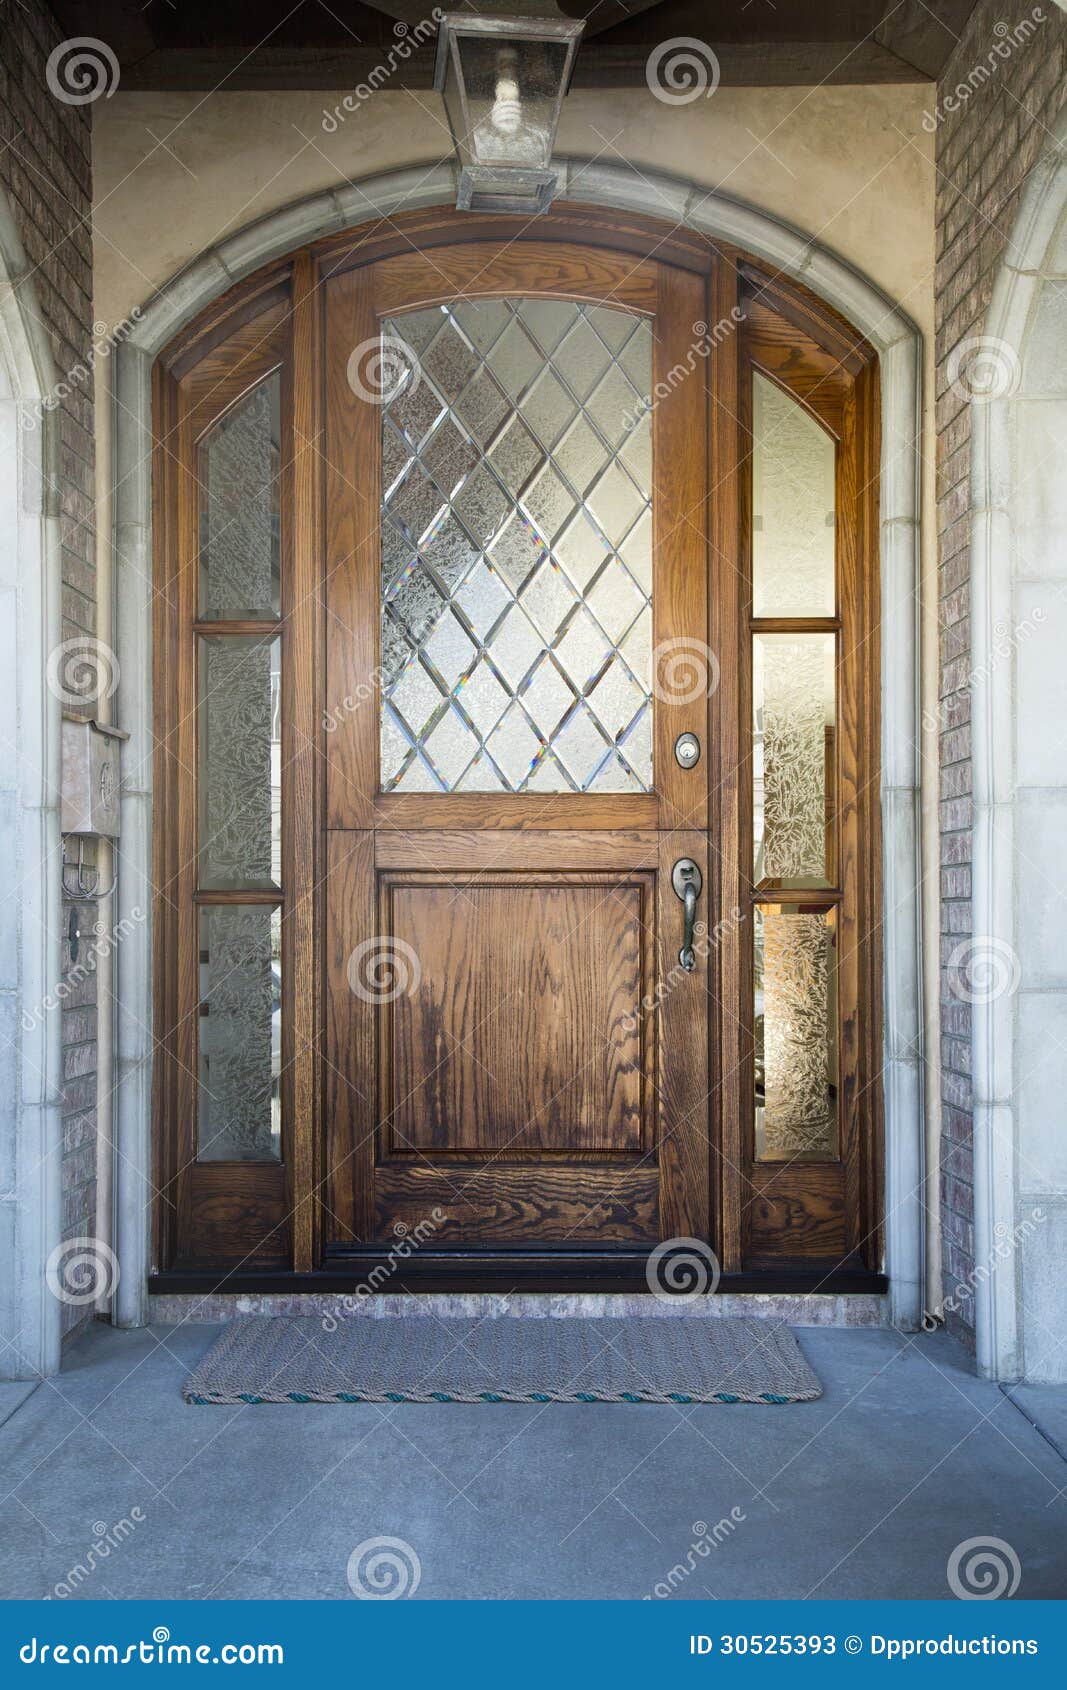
516 549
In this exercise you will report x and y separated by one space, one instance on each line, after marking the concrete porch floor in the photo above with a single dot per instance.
863 1494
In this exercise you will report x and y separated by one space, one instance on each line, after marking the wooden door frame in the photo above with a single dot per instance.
725 269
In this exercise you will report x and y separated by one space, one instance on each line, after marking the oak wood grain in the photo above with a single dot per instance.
522 1031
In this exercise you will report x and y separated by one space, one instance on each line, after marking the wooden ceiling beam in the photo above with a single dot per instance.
800 64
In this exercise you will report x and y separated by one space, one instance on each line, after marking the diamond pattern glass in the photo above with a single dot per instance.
516 551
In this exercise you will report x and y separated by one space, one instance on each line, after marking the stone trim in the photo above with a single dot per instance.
185 1309
31 1136
898 343
997 1296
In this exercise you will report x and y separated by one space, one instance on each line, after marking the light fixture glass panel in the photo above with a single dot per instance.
516 618
239 734
511 94
796 1034
793 506
239 1117
237 476
794 758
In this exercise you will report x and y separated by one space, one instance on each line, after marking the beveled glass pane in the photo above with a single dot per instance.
516 551
237 473
239 1095
239 735
793 505
796 1034
793 758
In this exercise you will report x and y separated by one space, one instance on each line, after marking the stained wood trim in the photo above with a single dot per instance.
209 1211
302 777
247 629
820 1207
221 381
499 849
225 316
795 624
684 674
484 269
409 812
682 1051
437 226
816 321
223 896
729 759
349 1040
351 433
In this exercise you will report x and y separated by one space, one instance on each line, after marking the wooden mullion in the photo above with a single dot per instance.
728 768
795 624
809 897
236 628
302 763
221 897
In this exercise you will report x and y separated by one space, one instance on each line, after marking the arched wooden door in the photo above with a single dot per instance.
516 624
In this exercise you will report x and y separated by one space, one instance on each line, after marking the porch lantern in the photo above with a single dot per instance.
503 81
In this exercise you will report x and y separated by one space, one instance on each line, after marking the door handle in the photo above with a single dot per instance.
688 882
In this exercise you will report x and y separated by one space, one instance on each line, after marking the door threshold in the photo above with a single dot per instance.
374 1272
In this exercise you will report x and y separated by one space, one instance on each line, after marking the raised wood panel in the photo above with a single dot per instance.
796 1209
521 1031
236 1216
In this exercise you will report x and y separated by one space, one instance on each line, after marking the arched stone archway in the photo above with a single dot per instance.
678 203
1019 705
30 1034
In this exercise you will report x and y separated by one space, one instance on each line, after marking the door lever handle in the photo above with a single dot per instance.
688 882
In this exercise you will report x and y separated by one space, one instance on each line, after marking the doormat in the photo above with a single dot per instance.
419 1358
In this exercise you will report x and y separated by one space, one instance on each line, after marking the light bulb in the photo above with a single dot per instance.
506 116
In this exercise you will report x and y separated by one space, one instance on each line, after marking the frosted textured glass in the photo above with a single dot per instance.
793 751
516 551
240 763
796 1035
792 507
239 1109
237 472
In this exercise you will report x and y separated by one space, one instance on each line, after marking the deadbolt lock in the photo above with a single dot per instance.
687 750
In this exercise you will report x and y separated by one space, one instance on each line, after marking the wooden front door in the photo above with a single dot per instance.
516 559
462 525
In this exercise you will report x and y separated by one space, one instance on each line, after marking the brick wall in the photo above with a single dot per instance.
1006 83
45 175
